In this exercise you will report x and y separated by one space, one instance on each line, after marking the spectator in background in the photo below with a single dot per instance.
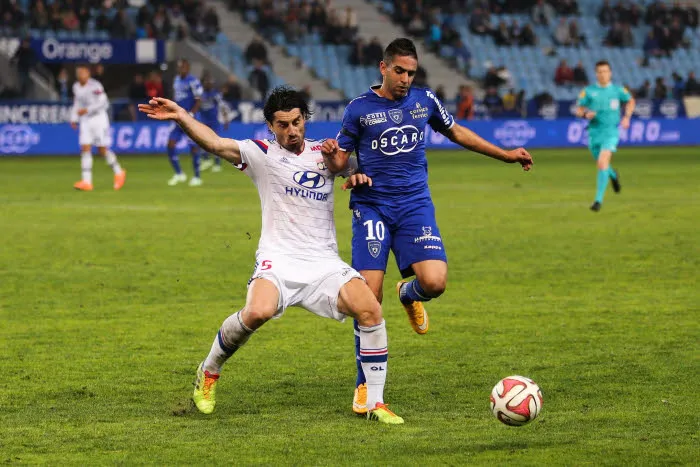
479 23
98 71
606 15
161 24
56 18
350 22
493 101
502 35
154 85
651 47
25 59
122 27
178 21
210 20
137 95
40 16
463 57
644 91
692 87
527 36
465 104
258 78
521 103
509 99
577 39
434 35
660 90
374 52
676 32
231 90
627 36
402 14
69 20
357 54
416 27
614 37
421 79
514 30
562 34
565 7
256 50
491 79
63 87
542 13
580 76
678 86
564 75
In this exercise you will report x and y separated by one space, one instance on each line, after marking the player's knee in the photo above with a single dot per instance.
434 285
369 314
255 316
602 165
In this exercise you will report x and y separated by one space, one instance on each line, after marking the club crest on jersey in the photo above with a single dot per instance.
396 115
427 231
309 179
357 213
374 248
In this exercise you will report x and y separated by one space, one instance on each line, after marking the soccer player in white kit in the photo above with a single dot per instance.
297 261
89 113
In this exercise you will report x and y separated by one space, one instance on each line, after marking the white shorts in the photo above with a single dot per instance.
95 132
311 283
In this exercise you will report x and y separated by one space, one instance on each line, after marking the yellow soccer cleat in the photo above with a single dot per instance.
381 413
204 396
417 315
359 402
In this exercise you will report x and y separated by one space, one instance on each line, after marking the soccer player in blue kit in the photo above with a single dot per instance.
212 110
386 126
187 92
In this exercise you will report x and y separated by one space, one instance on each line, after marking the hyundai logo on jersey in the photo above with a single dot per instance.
309 179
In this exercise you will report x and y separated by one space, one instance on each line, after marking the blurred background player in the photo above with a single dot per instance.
600 104
385 126
290 269
212 112
187 92
89 115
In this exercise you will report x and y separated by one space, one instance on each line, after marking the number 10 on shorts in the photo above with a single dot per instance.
375 231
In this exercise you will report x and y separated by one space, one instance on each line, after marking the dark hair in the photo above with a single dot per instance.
602 63
83 65
402 47
285 98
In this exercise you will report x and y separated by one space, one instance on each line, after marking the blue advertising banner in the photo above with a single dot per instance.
29 112
53 50
152 137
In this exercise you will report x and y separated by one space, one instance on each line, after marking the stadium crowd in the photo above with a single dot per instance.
157 19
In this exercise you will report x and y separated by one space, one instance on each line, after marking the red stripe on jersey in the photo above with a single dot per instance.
261 145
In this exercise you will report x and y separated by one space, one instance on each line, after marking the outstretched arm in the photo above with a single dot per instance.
160 108
470 140
335 158
629 111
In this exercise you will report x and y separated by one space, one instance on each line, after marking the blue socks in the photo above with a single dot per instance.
174 160
612 173
358 359
413 292
195 161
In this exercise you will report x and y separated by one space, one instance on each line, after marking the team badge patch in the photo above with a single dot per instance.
396 115
374 248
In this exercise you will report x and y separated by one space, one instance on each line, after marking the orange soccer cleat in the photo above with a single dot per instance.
119 179
82 185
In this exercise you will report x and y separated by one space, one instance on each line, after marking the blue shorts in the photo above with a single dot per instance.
410 231
178 133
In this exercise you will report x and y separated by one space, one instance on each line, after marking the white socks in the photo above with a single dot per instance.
373 357
232 335
86 166
111 159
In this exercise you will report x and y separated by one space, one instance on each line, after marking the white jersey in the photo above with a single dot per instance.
92 97
296 196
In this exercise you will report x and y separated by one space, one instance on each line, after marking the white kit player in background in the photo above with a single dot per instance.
297 261
89 115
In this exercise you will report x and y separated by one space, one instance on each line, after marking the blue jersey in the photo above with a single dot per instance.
186 91
389 139
212 105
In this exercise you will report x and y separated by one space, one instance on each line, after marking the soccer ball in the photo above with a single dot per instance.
516 400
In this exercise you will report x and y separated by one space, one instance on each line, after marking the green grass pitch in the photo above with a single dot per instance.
108 301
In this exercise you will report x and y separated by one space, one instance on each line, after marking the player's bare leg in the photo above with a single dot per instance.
430 282
261 305
85 183
111 160
179 176
358 301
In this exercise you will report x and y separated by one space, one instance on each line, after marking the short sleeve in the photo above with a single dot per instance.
625 95
349 134
584 99
440 119
253 153
197 89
